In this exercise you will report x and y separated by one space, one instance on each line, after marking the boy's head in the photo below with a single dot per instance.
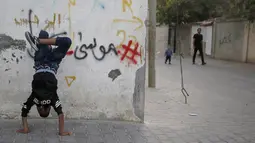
168 47
43 111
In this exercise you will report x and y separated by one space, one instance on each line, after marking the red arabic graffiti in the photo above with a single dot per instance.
129 53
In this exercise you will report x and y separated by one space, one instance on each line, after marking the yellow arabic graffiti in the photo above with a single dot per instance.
50 24
71 3
25 21
124 38
127 4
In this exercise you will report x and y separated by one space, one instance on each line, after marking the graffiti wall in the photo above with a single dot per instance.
103 73
229 40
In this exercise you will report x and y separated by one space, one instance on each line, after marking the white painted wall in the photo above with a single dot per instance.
208 40
92 94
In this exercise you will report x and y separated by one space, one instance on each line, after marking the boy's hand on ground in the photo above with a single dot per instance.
65 134
23 131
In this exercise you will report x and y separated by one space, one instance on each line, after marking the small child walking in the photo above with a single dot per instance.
168 55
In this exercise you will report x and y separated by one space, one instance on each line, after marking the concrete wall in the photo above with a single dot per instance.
92 84
183 39
251 44
225 39
230 41
161 39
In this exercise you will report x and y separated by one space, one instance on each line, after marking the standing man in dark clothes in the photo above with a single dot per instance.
198 46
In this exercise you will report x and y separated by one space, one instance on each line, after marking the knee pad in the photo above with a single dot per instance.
68 41
24 111
43 34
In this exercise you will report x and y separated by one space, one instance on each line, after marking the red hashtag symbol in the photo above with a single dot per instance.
128 49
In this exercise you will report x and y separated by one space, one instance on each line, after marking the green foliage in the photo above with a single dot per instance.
250 10
199 10
241 9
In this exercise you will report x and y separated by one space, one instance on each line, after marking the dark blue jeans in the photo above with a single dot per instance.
47 56
168 58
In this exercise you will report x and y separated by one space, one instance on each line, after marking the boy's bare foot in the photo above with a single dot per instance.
23 131
65 134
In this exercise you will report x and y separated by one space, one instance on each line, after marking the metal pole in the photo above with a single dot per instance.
183 90
152 5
